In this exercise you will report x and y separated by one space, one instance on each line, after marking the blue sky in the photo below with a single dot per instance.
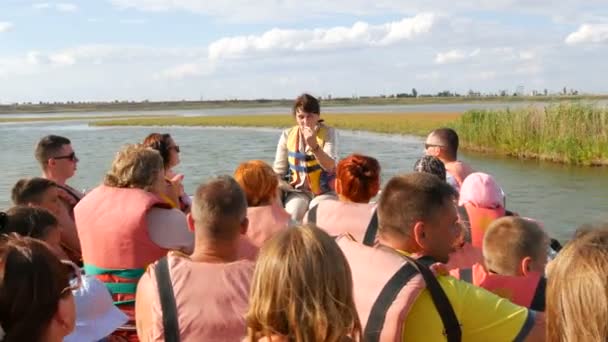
185 49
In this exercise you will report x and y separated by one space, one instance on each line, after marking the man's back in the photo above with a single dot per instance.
211 300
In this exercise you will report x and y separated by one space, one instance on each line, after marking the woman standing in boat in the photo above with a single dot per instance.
305 159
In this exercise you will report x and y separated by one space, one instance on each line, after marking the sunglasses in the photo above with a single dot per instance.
74 276
176 148
426 146
71 156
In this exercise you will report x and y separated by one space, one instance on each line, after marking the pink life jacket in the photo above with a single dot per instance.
479 220
528 291
198 301
116 246
339 217
264 222
386 285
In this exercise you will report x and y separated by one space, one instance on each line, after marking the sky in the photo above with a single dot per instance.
105 50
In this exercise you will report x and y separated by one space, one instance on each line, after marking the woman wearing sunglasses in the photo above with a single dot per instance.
36 301
169 151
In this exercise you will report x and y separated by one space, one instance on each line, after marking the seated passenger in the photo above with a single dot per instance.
124 225
515 253
44 193
357 182
204 296
400 288
302 290
306 156
266 216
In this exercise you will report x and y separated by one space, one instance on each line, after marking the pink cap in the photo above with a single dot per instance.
481 190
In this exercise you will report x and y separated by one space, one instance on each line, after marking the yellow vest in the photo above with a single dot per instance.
318 179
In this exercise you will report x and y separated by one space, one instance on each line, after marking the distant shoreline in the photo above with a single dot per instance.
335 102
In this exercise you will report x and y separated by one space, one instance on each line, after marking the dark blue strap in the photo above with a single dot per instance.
371 231
538 301
527 327
167 301
466 274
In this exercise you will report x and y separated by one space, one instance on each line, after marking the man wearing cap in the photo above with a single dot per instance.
443 144
305 159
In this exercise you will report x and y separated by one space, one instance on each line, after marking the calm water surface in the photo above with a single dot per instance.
561 197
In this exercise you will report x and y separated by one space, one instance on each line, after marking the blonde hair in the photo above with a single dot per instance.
135 166
259 182
577 289
509 240
302 289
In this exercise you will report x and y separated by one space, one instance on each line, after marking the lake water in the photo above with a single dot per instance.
561 197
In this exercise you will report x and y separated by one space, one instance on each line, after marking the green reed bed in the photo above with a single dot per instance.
570 133
397 123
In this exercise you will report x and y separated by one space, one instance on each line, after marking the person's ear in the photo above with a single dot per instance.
526 266
51 162
190 221
419 233
244 226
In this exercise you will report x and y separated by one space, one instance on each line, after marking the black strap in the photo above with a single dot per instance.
312 214
167 301
538 301
556 245
371 231
387 296
466 274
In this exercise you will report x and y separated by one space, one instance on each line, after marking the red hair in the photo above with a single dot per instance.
359 177
258 180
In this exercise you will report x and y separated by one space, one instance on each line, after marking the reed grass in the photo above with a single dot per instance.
571 133
395 123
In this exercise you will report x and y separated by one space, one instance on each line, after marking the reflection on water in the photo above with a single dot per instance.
562 197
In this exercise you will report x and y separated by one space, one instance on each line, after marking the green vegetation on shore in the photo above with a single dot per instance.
570 133
74 107
398 123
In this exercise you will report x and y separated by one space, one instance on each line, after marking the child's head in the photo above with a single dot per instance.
514 246
34 222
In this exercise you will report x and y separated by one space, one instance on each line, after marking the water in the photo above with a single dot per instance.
561 197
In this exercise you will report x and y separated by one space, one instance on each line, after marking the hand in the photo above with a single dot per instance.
310 136
174 188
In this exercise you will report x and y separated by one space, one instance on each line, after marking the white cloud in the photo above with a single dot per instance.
360 34
455 56
5 26
67 7
185 70
589 33
60 7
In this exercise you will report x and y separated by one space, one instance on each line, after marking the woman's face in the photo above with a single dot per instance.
306 119
173 153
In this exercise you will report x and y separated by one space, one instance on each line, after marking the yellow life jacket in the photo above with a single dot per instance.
318 179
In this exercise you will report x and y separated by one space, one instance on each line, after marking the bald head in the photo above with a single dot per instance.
219 209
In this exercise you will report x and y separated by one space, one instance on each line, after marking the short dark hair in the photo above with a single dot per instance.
449 139
432 165
30 190
34 222
218 208
409 198
48 147
307 103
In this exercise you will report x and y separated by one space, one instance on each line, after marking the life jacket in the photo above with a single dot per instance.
339 217
464 257
213 310
479 220
386 285
116 247
264 222
528 291
319 180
